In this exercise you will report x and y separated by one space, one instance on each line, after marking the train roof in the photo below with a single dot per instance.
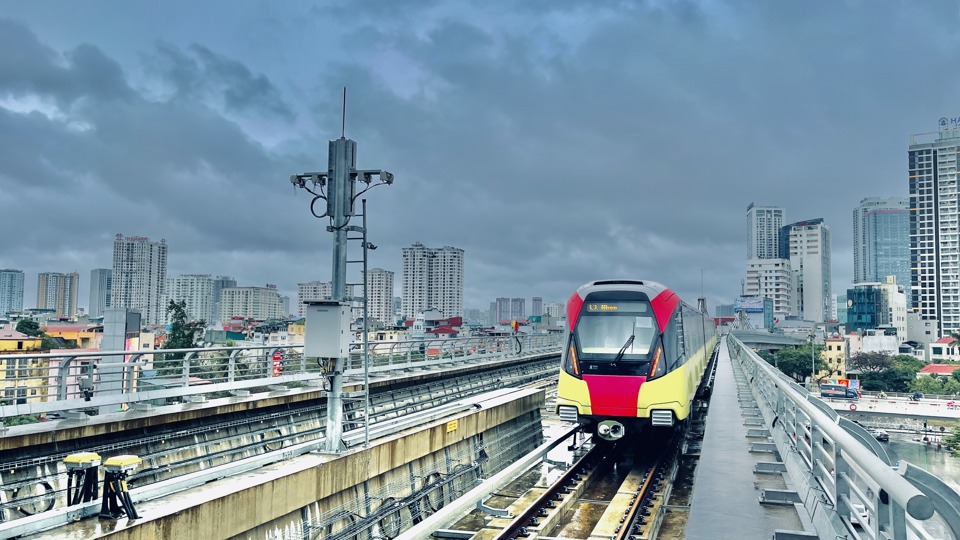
651 288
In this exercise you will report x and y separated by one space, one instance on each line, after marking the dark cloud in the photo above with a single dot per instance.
554 142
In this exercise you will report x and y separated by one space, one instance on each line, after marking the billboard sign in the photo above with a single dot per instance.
749 304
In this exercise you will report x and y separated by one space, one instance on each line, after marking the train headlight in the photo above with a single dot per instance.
570 363
658 367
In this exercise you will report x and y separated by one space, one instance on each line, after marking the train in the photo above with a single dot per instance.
634 356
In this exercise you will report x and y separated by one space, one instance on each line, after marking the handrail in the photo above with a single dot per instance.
837 454
41 383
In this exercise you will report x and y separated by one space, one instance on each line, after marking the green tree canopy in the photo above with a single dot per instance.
29 327
795 362
897 379
906 361
871 362
953 441
183 334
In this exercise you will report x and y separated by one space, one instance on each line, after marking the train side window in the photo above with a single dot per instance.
673 341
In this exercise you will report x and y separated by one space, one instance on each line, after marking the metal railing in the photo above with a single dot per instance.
57 383
844 476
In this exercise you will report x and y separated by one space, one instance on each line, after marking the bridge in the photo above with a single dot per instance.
229 429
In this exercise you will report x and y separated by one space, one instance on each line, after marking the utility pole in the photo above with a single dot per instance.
338 187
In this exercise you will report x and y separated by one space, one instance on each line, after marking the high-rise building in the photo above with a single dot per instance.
934 234
768 264
881 240
58 292
11 291
312 290
100 280
763 229
809 247
322 290
518 309
501 310
139 276
536 308
773 279
380 296
197 291
432 278
258 303
220 283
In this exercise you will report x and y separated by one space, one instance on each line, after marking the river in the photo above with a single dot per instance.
938 462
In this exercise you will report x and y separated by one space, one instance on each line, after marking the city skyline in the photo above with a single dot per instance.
612 141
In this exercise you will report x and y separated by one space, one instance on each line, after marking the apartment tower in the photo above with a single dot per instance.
58 292
11 291
934 234
432 278
139 276
196 290
380 296
808 245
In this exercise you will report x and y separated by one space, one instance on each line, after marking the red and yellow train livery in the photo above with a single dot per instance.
634 356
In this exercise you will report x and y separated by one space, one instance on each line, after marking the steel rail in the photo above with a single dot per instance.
595 458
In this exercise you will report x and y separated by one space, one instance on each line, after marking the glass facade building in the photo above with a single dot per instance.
881 240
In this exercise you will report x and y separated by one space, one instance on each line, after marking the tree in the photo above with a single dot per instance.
896 379
795 362
956 375
905 361
29 327
871 362
953 441
183 334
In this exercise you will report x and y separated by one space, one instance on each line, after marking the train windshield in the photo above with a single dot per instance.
616 330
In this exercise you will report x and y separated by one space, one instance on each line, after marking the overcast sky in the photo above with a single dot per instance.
555 142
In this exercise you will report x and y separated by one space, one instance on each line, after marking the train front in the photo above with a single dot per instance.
614 376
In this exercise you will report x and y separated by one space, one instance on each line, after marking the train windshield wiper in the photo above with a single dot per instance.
623 349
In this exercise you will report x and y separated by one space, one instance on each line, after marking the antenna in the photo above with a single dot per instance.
343 114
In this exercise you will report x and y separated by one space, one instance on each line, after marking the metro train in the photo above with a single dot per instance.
635 354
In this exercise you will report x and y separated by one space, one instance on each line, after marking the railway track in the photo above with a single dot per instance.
613 491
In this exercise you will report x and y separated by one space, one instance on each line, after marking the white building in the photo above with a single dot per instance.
773 279
310 291
432 278
258 303
380 296
555 309
11 291
100 280
197 290
809 250
58 292
763 230
139 276
934 230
